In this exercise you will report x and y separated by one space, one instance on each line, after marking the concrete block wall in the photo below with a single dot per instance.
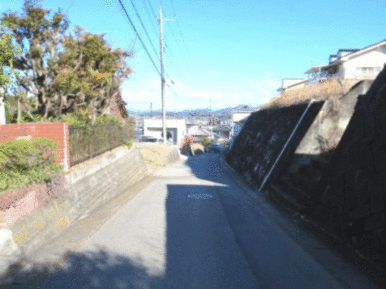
264 135
89 185
311 157
350 199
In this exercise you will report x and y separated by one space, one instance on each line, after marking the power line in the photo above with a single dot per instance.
179 97
151 8
174 36
179 28
143 26
139 37
174 11
150 17
69 7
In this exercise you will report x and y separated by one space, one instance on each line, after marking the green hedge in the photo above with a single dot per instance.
24 162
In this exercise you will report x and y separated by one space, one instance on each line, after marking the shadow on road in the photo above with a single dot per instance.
210 167
101 269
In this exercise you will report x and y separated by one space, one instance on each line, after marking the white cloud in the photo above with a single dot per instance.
249 91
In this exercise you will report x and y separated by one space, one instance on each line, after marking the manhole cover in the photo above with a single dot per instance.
200 196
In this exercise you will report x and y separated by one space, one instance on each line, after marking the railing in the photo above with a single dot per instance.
319 77
89 141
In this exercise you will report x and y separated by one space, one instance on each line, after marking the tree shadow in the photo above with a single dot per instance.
97 269
210 167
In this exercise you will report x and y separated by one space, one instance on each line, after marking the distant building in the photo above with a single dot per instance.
238 116
175 129
238 120
223 130
198 134
291 83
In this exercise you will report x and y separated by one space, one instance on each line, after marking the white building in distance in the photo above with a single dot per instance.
175 129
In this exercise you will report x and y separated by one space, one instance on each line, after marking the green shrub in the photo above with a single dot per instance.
74 120
106 119
129 143
24 162
205 141
24 154
3 160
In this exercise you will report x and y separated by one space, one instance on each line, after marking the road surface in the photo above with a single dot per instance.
197 226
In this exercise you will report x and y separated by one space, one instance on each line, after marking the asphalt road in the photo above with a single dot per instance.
196 226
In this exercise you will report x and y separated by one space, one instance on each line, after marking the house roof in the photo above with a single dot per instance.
354 52
294 78
367 48
348 50
195 130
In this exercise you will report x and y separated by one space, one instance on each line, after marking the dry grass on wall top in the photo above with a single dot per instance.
331 89
155 154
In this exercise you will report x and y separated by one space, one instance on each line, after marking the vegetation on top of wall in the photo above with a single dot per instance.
329 89
205 141
129 143
81 117
24 162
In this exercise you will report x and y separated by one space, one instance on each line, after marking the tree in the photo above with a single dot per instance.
8 54
64 72
39 38
91 73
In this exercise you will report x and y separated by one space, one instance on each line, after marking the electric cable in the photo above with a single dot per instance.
139 37
143 26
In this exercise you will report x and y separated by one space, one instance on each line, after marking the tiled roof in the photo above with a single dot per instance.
348 50
369 46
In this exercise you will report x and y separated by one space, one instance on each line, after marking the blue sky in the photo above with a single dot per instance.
229 52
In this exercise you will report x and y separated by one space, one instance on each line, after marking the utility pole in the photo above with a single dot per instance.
210 121
161 20
151 109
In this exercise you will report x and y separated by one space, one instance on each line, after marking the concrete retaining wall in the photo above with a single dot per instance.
86 187
263 136
312 156
350 200
92 183
335 169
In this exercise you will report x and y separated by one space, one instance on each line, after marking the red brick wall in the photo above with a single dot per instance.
56 131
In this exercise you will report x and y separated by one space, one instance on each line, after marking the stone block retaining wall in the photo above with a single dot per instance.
343 186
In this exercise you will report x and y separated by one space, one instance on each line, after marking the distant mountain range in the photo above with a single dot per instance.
225 112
